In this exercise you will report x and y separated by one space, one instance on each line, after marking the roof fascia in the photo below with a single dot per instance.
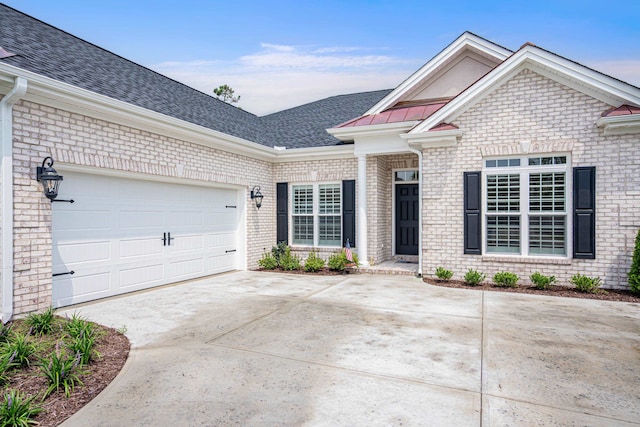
331 152
465 40
350 133
434 139
71 98
588 81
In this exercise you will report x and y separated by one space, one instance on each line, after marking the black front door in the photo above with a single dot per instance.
407 219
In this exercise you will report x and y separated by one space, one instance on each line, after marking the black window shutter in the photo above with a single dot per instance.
282 212
473 213
584 212
349 212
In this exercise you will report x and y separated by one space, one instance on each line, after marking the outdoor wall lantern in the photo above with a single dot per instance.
50 180
257 195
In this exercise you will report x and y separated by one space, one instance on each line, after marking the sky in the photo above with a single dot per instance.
279 54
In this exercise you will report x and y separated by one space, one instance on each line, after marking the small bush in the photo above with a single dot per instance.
339 261
506 279
41 323
77 326
585 283
5 332
474 277
82 347
443 274
313 263
540 281
20 349
268 261
61 372
289 261
278 251
18 410
634 273
6 363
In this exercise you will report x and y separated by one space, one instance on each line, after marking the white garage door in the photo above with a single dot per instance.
123 235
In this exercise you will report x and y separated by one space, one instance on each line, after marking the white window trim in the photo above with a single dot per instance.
524 170
315 213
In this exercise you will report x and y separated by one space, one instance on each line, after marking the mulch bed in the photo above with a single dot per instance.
113 348
554 290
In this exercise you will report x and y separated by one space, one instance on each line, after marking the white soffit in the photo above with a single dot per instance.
600 86
466 40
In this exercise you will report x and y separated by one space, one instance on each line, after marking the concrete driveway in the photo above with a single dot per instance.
267 349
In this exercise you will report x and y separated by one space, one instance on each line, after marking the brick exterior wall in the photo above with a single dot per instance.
313 171
551 117
71 138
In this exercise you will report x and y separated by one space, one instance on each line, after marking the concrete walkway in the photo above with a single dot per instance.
267 349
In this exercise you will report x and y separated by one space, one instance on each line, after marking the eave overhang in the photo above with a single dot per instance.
352 133
433 139
620 125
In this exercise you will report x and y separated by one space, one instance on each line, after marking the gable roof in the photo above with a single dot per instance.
572 74
42 49
465 41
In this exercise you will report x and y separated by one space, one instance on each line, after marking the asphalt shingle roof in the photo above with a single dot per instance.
51 52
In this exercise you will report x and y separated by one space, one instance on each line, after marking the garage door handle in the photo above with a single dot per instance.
170 239
232 250
164 239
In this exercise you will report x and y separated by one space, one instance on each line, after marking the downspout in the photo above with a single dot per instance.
419 153
6 140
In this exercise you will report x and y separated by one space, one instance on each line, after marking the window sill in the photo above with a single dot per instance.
526 260
315 249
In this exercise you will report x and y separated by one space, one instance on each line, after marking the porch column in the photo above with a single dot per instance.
361 218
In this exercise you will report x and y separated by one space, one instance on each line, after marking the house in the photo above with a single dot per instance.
484 158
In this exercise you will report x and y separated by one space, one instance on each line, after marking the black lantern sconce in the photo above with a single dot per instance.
50 180
257 196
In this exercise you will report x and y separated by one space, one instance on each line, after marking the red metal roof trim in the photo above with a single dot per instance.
443 126
623 110
395 115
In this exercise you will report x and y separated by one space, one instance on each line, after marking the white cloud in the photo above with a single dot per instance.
279 77
625 70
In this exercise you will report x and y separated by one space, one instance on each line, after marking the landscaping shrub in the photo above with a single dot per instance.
474 277
20 348
339 261
18 410
634 273
506 279
6 363
279 250
61 372
41 323
313 263
540 281
268 261
82 347
5 332
77 326
289 261
585 283
443 274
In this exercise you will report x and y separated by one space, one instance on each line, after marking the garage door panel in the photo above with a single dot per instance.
186 219
77 289
112 237
222 240
140 276
134 248
186 268
140 219
184 243
81 220
73 253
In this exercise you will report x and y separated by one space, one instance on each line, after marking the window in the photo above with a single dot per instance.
526 206
316 215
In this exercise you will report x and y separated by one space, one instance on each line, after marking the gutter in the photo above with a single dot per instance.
419 153
6 141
